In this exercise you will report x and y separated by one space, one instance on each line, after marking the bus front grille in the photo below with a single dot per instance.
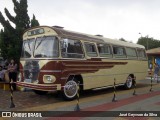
31 71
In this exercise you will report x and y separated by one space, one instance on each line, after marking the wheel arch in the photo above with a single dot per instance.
132 76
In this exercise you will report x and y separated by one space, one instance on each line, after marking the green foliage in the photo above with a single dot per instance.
21 20
34 22
149 43
11 37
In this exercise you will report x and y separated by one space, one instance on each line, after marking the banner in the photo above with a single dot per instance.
33 114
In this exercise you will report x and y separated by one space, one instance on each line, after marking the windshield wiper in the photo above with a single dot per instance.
29 43
29 46
40 42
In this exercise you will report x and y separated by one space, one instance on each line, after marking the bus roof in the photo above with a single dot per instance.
92 38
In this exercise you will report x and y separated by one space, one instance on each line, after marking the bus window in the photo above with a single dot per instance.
131 52
141 53
104 50
90 49
27 49
46 47
119 52
71 49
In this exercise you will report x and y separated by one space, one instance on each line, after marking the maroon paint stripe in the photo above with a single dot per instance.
109 106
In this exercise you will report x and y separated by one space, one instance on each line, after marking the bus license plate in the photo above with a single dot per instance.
28 80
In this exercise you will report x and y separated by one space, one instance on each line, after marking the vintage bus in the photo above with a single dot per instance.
55 59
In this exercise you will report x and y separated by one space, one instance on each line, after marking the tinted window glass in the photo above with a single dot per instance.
104 50
71 48
28 47
91 49
131 52
141 53
118 51
46 47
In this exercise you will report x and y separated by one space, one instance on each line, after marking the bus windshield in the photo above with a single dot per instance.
42 47
27 49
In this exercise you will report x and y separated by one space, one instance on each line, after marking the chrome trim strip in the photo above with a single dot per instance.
99 88
53 59
114 74
109 86
63 78
50 71
46 70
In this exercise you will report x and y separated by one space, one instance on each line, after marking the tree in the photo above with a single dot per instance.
122 39
34 22
11 37
0 44
148 42
4 43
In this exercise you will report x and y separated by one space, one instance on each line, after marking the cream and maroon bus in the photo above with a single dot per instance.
55 59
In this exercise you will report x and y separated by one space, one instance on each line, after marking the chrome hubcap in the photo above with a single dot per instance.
129 82
70 89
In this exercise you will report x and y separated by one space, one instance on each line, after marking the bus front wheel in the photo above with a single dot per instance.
129 82
70 90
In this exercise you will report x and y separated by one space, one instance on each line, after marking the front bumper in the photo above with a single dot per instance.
43 87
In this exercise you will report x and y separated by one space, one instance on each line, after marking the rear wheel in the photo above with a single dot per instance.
70 89
129 82
39 92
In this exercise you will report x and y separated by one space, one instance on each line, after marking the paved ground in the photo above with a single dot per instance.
92 103
24 100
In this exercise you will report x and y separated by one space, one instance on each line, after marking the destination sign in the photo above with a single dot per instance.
35 32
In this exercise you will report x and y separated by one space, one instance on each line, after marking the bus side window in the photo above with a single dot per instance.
90 49
141 53
104 50
71 49
119 52
131 53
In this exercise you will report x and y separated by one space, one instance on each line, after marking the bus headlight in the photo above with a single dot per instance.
49 79
19 77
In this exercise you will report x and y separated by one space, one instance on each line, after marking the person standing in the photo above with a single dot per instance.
150 66
156 71
12 69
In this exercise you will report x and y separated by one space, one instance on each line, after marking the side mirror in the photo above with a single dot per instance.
64 43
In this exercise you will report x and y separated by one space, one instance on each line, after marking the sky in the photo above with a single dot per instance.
128 19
